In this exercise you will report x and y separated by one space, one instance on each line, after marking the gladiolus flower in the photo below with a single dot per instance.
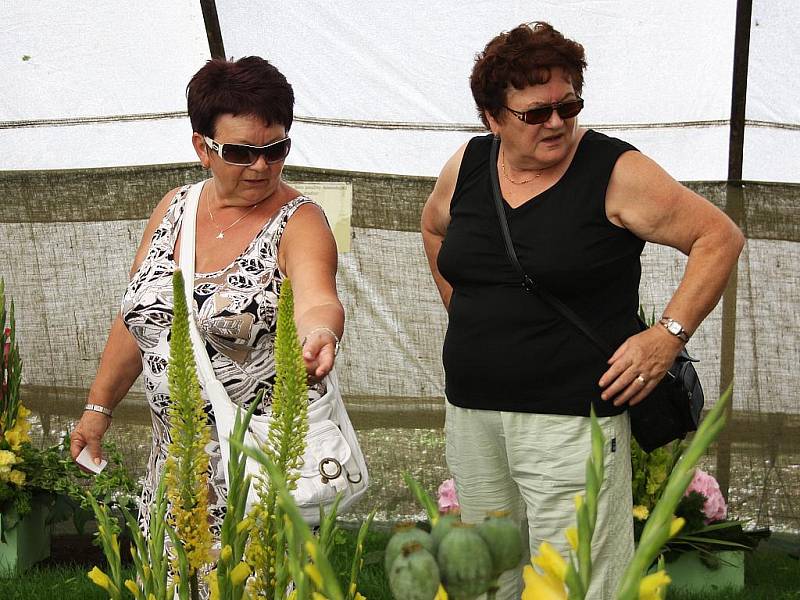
551 562
654 586
17 478
7 458
571 534
676 525
640 512
314 575
239 573
226 553
542 587
131 586
101 579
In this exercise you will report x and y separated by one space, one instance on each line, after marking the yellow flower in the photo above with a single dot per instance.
132 588
226 554
440 595
17 478
213 585
360 597
551 562
654 586
17 436
571 534
239 573
542 587
313 573
245 523
101 579
676 525
640 512
7 458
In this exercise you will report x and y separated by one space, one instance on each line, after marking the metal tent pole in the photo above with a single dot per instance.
213 32
734 207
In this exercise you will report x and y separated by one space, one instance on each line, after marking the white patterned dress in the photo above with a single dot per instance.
236 311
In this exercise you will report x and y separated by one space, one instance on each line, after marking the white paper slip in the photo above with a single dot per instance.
85 460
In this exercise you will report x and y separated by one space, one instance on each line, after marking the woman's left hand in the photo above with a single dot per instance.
319 353
638 365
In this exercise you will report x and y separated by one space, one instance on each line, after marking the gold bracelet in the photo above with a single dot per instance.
328 330
98 409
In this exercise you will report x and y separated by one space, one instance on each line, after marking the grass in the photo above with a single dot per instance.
770 574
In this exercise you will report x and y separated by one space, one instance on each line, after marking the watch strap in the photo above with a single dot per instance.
670 324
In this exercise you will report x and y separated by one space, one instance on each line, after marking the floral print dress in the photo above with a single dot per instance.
236 311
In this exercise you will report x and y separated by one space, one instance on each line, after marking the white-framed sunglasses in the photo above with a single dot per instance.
242 155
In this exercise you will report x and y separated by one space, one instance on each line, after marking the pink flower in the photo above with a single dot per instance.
448 499
705 484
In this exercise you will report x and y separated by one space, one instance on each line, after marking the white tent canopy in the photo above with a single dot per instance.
383 86
93 131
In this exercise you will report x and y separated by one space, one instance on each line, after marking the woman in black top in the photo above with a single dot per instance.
580 206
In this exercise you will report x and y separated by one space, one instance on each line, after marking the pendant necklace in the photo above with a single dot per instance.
221 234
505 174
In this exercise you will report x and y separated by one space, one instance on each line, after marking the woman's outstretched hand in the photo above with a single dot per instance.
638 365
319 354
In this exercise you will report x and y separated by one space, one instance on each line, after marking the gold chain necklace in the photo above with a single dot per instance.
505 174
221 234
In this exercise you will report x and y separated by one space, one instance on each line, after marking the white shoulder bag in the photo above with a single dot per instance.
332 462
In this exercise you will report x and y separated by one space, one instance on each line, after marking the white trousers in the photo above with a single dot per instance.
533 465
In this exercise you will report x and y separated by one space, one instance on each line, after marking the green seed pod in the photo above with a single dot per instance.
442 528
404 534
465 563
504 540
414 574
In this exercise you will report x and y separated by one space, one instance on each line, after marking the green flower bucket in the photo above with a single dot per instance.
713 572
24 541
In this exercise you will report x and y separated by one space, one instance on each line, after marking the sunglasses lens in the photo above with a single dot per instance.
278 151
237 154
567 110
538 115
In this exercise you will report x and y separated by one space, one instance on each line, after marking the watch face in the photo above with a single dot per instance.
674 327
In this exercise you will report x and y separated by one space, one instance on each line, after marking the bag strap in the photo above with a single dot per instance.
187 247
187 257
527 282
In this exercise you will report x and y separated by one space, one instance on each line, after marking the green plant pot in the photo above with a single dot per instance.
690 573
24 541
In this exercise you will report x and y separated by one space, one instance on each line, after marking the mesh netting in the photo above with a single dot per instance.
67 239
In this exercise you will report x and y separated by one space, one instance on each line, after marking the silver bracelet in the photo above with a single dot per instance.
99 409
328 330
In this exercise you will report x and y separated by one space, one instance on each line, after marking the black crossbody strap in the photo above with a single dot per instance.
528 283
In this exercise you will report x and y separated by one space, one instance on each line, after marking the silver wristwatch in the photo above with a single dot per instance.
674 328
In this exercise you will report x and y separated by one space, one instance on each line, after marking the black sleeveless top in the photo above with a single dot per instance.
505 349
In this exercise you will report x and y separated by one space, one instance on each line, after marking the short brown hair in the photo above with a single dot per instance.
248 86
521 57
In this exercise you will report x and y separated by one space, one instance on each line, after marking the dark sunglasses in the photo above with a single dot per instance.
243 155
541 114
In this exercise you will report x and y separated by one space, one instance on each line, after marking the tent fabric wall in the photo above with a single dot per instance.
67 238
94 132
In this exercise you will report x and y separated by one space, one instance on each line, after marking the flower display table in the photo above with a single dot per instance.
721 571
24 541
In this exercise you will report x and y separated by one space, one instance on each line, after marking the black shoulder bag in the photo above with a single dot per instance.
673 407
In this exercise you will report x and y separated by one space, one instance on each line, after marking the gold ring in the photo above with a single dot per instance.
641 379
